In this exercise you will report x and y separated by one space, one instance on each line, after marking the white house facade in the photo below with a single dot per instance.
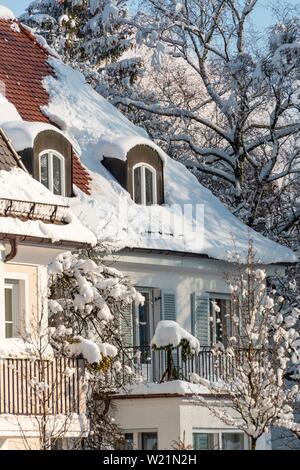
152 218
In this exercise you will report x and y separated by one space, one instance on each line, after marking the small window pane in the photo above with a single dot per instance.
232 441
129 440
149 186
144 323
8 305
8 330
45 170
57 175
149 441
205 441
138 185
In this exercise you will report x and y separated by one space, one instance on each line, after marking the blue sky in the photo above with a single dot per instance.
17 6
261 18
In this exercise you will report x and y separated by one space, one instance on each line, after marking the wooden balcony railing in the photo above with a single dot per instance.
35 387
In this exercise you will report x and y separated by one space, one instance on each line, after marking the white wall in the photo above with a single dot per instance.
185 275
171 417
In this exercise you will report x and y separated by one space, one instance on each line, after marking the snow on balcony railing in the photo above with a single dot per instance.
29 210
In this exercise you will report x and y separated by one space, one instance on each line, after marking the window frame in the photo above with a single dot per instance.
215 296
53 153
143 167
219 432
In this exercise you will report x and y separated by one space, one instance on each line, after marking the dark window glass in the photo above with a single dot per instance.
205 441
8 305
144 322
221 327
149 440
149 187
57 175
128 440
138 185
8 330
232 441
45 170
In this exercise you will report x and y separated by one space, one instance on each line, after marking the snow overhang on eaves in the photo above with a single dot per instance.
186 254
118 147
32 240
22 134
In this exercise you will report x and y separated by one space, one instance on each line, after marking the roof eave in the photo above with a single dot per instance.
32 240
194 255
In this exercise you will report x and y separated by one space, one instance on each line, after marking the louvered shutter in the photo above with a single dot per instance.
127 326
200 318
168 305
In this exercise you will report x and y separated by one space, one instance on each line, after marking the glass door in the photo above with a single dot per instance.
11 308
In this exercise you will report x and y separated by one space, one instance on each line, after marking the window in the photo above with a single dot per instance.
144 185
11 308
205 441
52 172
144 325
219 440
149 441
220 321
128 436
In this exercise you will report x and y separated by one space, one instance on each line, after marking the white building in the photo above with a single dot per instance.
173 236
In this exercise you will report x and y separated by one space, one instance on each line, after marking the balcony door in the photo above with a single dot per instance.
11 293
144 321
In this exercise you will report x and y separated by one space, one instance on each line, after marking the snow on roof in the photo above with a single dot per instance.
19 185
23 67
85 116
23 133
6 13
8 111
111 214
118 147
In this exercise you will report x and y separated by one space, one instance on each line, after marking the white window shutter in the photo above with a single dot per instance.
126 324
200 318
168 305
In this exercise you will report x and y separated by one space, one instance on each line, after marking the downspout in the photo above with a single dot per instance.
13 250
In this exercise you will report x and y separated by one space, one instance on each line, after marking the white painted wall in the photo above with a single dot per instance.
170 417
185 275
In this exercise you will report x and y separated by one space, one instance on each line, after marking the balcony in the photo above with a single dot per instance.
38 387
159 366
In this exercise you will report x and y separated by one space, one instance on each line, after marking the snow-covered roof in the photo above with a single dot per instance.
110 213
118 147
23 133
97 129
19 186
8 111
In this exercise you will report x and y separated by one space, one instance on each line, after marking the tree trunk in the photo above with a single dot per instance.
253 443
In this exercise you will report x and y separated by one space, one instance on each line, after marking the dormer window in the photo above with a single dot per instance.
144 184
52 172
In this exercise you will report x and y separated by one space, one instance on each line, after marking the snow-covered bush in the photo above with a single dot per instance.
169 333
169 336
86 301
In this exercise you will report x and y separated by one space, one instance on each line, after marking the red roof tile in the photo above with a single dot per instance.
23 66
